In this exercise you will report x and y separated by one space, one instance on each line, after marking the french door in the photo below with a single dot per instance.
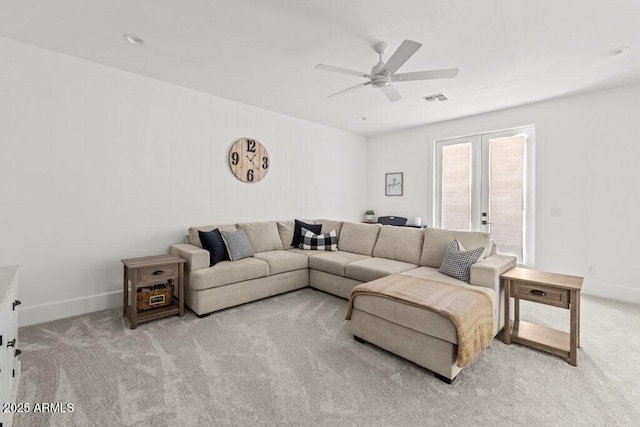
484 182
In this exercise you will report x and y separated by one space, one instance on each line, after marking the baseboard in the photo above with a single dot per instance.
606 290
29 315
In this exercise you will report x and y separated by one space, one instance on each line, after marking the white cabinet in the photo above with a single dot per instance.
9 362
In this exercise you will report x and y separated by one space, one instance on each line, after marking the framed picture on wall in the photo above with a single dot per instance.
393 184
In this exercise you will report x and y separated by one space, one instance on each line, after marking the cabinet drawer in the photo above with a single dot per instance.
540 293
160 273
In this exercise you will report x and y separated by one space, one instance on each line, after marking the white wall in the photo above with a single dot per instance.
587 158
98 165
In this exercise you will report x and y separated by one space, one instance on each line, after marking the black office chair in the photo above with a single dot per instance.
392 220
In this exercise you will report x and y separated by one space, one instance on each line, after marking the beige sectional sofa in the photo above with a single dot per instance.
365 252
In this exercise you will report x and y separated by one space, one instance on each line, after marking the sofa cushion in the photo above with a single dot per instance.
358 238
286 230
237 243
194 239
409 316
370 269
399 243
436 241
227 272
330 224
304 252
281 261
318 242
457 261
263 235
334 262
213 243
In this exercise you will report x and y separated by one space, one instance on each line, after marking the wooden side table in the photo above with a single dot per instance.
553 289
160 269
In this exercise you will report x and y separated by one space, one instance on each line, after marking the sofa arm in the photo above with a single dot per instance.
487 272
196 258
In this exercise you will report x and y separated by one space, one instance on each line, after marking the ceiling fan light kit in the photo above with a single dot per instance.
384 73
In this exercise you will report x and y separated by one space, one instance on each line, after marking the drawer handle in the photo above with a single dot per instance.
538 292
11 343
158 272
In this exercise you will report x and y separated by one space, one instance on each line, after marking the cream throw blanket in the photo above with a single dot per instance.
471 312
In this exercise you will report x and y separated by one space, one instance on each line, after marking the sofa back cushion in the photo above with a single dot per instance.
358 238
263 235
399 243
194 239
437 240
286 230
329 225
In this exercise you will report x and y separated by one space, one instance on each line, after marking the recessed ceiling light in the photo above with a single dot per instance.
617 51
362 119
133 39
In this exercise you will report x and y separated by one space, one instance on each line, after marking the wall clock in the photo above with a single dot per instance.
249 160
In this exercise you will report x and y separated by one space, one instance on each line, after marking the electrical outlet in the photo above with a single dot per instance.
556 212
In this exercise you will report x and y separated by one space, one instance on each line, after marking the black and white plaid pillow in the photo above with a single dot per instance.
318 242
457 262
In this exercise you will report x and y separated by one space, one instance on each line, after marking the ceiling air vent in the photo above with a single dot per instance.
436 97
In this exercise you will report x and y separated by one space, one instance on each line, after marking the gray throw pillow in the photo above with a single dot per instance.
457 262
237 243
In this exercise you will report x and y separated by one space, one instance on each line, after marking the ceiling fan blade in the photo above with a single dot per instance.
391 93
343 71
350 89
400 56
425 75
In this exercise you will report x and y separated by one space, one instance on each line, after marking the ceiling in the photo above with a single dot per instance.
263 52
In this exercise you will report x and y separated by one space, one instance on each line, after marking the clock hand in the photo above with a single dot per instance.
251 160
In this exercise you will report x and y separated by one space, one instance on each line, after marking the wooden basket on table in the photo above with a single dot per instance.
158 295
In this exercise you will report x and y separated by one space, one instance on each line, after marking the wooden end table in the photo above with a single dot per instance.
150 271
552 289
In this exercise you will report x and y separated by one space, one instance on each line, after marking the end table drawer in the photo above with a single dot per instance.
540 293
158 273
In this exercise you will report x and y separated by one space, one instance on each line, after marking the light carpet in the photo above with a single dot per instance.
290 360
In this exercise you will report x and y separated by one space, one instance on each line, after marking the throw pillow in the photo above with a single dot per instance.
237 244
322 242
297 231
212 241
457 262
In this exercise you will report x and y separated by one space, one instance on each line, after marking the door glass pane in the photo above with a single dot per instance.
506 195
456 186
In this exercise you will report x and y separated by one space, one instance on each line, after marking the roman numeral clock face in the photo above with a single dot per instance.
249 160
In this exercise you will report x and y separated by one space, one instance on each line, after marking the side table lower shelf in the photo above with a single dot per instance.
541 337
156 313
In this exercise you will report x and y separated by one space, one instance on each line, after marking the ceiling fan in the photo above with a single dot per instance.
383 74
